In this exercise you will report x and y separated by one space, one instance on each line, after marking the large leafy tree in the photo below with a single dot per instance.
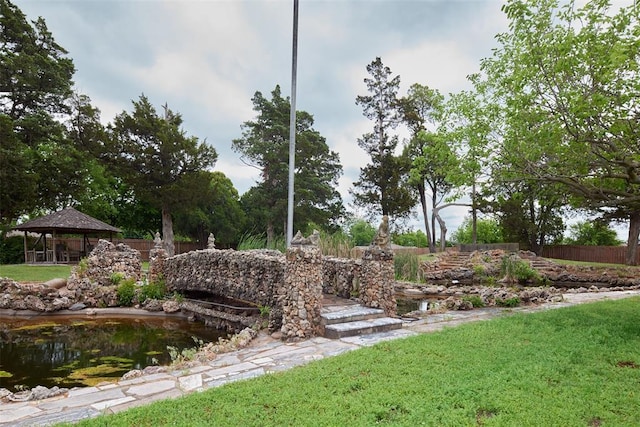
218 212
567 77
39 168
163 166
596 233
380 185
420 107
265 145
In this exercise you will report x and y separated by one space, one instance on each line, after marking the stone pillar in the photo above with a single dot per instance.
157 255
377 277
301 296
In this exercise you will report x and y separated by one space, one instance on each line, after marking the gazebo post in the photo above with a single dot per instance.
53 246
25 248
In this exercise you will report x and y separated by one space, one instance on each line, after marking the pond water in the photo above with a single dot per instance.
71 352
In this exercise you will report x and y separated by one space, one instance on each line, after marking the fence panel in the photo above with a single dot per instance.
603 254
142 245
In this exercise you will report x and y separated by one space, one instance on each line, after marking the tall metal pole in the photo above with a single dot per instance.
292 124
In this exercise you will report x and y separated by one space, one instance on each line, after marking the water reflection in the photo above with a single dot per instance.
70 352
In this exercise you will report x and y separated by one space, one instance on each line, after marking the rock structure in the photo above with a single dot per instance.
157 255
377 276
301 295
341 276
254 276
105 260
35 297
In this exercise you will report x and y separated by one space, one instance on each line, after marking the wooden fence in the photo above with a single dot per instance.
606 254
144 246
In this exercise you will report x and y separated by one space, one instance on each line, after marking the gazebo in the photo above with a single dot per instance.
66 221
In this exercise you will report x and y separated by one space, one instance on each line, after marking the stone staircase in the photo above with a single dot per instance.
357 320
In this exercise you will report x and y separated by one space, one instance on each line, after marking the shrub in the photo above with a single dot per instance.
407 267
116 277
514 269
126 292
509 302
12 249
475 300
153 290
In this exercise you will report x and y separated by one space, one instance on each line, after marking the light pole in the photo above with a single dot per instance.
292 124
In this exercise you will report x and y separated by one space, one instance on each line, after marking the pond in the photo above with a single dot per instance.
76 352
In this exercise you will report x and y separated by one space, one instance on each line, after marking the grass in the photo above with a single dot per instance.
34 273
578 366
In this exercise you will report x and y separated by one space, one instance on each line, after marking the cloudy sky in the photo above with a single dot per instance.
207 58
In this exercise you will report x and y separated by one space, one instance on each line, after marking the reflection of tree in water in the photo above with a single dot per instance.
37 353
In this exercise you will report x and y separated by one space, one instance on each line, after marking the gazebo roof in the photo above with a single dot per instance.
67 221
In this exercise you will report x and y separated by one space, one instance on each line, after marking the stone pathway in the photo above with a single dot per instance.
265 355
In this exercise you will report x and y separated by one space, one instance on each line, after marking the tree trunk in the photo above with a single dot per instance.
167 231
443 231
434 213
425 215
271 234
632 242
474 216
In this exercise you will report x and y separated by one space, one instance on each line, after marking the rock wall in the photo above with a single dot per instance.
377 280
105 260
301 295
254 276
341 276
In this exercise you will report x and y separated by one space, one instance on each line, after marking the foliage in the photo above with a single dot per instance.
379 187
594 233
514 269
481 373
407 267
337 244
116 277
361 232
218 211
487 231
39 166
12 249
186 354
566 78
508 302
475 300
158 161
126 292
153 290
413 238
252 241
265 145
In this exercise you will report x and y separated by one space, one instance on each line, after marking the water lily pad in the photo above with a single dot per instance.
5 374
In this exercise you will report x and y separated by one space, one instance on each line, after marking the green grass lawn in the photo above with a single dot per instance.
577 366
34 273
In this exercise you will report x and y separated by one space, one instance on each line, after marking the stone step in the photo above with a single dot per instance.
351 314
362 327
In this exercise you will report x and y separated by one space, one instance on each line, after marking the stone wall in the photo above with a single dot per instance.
377 280
341 276
105 260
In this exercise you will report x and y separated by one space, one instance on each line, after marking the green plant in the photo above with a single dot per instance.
479 270
508 302
116 277
178 297
407 267
517 270
490 281
186 354
126 292
83 265
475 300
264 310
252 241
153 290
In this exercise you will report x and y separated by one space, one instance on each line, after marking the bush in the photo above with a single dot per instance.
12 250
407 267
475 300
153 290
509 302
514 269
126 292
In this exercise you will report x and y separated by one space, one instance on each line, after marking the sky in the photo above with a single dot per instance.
207 58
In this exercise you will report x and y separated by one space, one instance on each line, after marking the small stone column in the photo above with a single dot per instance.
377 275
157 255
301 297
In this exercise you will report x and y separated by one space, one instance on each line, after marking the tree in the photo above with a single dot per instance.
38 167
379 186
265 145
421 106
218 212
567 78
487 229
596 233
162 165
361 232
